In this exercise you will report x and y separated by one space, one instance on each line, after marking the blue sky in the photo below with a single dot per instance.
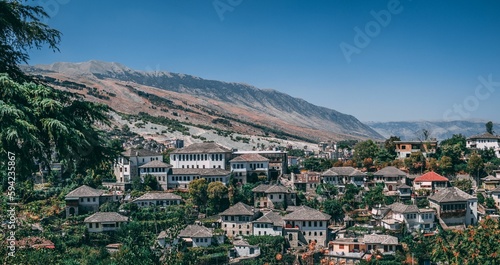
425 63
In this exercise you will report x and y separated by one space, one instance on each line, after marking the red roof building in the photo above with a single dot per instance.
430 181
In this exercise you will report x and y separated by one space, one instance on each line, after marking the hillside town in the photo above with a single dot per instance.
345 204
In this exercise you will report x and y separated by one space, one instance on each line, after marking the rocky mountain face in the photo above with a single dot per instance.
234 101
413 130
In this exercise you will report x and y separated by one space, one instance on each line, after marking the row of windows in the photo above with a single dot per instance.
427 216
450 207
200 240
166 202
252 166
88 199
190 178
315 233
198 166
237 218
152 169
309 223
197 157
104 225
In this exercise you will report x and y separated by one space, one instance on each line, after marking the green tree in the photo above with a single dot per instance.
216 192
390 146
374 196
446 166
21 30
463 184
334 209
475 167
365 149
489 127
198 191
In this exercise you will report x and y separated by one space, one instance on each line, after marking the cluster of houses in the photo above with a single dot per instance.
275 211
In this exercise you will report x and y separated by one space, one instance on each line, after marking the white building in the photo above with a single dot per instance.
158 169
430 181
392 177
161 199
270 224
105 221
273 196
243 249
311 225
87 199
126 167
245 165
340 176
200 236
181 177
237 220
411 216
484 141
454 207
201 155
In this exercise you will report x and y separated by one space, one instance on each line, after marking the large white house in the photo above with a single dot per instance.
105 221
246 165
158 169
201 155
237 220
126 167
181 177
411 216
270 224
161 199
454 207
306 224
484 141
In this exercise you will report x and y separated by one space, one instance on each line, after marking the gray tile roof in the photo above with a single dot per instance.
305 213
490 178
139 152
380 239
201 171
249 158
451 194
196 231
156 163
239 209
241 242
484 136
198 148
403 208
343 171
271 218
275 188
158 196
390 172
105 217
84 191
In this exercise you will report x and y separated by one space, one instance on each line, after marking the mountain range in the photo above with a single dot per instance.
413 130
227 105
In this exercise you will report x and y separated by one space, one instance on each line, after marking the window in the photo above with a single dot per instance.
341 246
93 199
90 225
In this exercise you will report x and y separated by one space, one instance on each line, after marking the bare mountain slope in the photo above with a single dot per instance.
240 102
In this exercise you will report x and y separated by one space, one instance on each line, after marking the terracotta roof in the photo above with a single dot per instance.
156 163
139 152
390 172
305 213
34 242
198 148
105 217
196 231
84 191
450 194
343 171
158 196
271 218
380 239
201 171
239 209
249 158
430 177
484 136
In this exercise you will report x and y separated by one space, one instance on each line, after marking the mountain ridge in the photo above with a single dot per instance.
270 102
